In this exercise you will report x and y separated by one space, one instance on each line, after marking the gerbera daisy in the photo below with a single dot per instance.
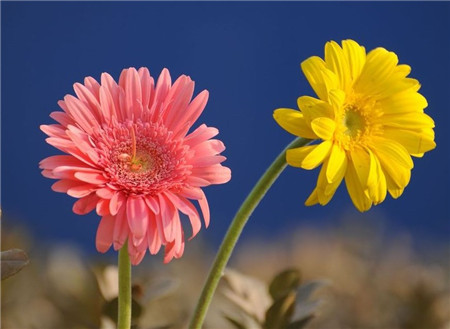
130 157
369 120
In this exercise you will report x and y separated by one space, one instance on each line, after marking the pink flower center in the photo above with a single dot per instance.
142 158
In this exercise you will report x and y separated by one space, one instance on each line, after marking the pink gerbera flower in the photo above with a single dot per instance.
129 157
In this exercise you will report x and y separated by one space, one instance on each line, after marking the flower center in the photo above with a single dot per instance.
357 122
141 158
354 121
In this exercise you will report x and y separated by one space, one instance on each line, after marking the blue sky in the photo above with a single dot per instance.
247 54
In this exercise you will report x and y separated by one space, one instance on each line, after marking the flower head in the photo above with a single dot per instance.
369 120
130 157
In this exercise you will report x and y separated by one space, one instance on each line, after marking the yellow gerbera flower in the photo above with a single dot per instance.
369 120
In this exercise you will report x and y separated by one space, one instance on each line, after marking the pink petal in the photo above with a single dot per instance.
55 130
105 193
159 227
208 148
68 146
81 114
162 88
48 174
203 202
216 174
92 85
197 181
113 90
85 205
153 238
169 217
179 97
91 102
120 228
134 247
207 160
201 134
135 255
107 106
194 193
187 208
62 117
81 190
193 111
180 249
169 252
82 142
137 213
102 207
59 160
131 84
105 231
64 185
89 177
174 249
116 202
152 204
147 85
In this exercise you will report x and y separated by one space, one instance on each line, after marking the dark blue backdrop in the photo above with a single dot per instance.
247 55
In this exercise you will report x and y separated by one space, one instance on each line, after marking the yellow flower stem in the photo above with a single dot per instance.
124 312
235 230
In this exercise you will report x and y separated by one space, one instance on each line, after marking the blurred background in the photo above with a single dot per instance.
247 54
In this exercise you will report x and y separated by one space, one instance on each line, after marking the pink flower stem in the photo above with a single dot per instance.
124 314
235 230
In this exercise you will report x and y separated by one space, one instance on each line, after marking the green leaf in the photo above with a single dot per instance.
284 283
12 261
279 314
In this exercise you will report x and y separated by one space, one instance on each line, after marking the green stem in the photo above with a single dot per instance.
124 318
235 229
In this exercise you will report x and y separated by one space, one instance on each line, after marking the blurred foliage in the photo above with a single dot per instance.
371 282
12 261
284 304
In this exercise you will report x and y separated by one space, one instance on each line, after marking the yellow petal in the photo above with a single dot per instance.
363 167
397 174
337 164
293 122
322 185
356 192
323 127
378 189
391 151
375 75
308 157
312 199
319 76
392 187
413 120
356 57
313 108
415 142
403 102
417 155
337 62
396 193
336 98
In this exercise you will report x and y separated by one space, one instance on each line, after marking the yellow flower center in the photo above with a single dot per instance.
354 122
357 122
